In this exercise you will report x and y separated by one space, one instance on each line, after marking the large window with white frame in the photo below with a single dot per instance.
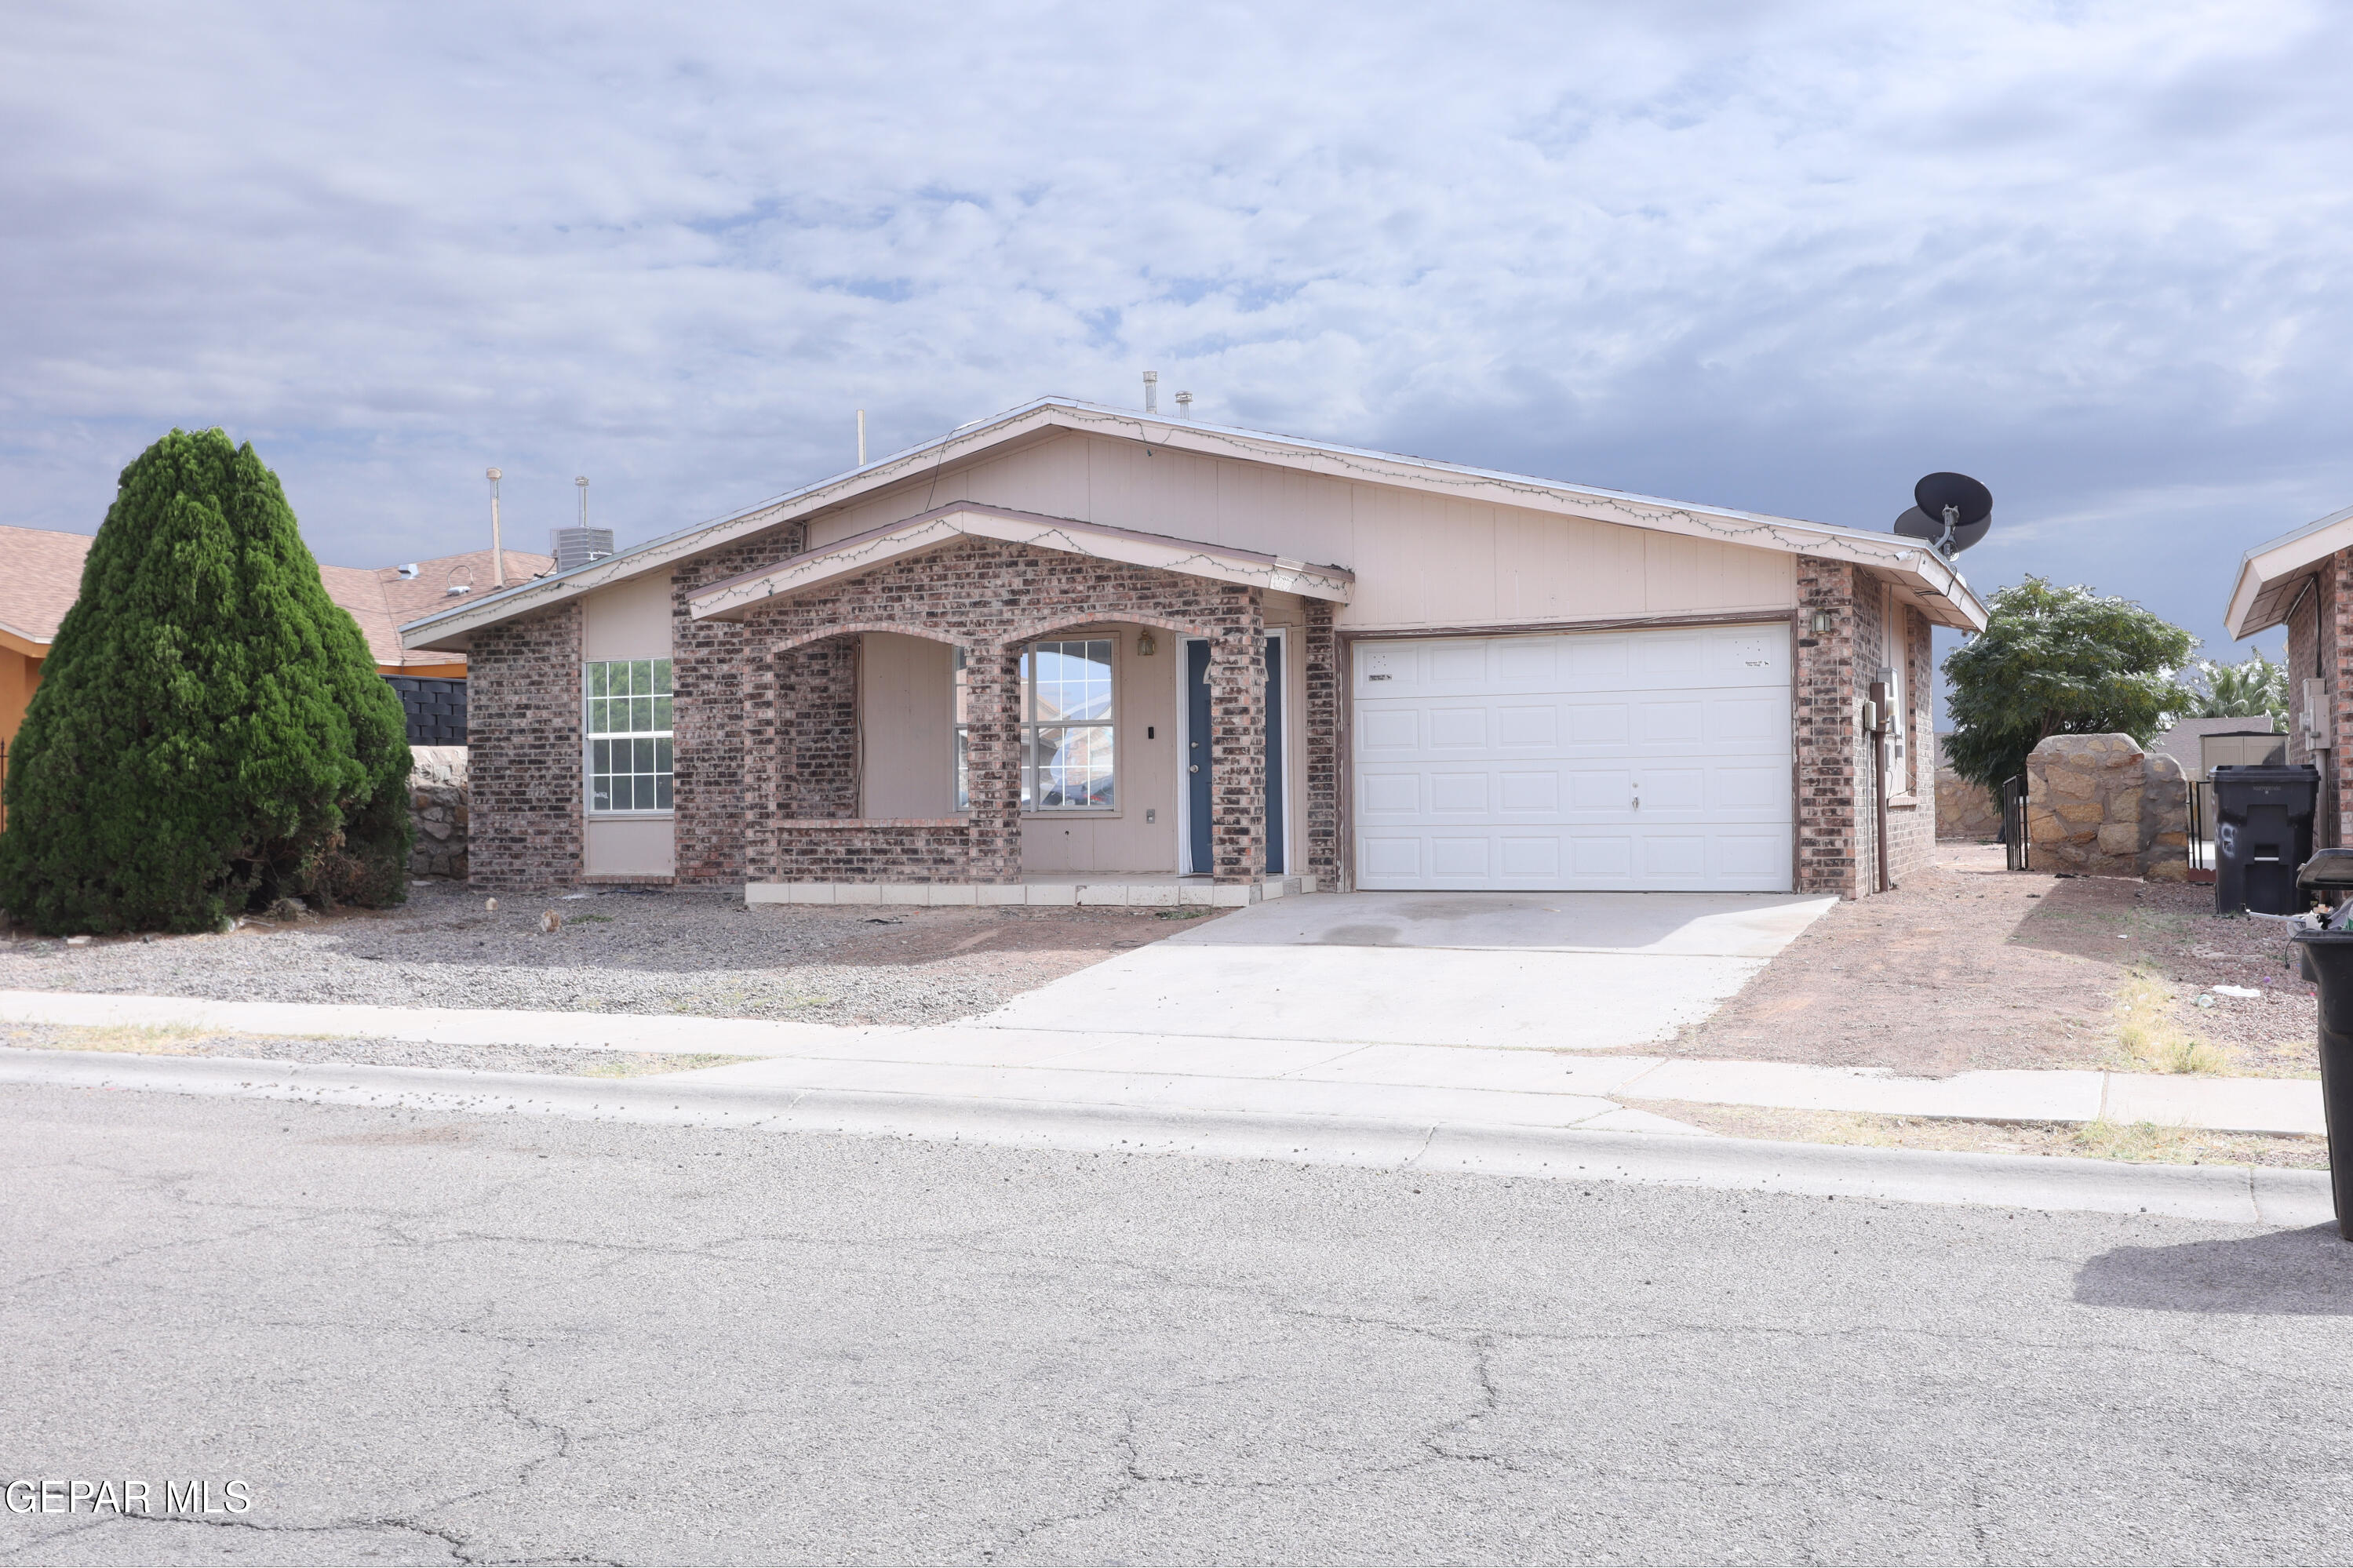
1069 726
628 734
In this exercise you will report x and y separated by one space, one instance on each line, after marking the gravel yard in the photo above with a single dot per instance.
662 951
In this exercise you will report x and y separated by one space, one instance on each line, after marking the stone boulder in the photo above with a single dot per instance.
2098 806
437 807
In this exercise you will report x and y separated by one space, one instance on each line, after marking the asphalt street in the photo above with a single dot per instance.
431 1340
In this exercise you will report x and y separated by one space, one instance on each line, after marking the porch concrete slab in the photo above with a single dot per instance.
1398 995
1723 925
2222 1104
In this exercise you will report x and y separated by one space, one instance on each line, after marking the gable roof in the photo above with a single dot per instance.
2272 575
863 551
1942 592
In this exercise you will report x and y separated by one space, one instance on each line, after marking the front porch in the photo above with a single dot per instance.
1020 710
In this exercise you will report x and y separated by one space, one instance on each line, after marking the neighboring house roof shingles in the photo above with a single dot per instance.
40 577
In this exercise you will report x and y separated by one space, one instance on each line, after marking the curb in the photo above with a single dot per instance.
2241 1194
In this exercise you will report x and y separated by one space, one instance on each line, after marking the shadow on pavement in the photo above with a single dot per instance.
2289 1272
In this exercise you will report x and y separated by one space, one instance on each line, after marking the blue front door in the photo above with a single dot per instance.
1197 719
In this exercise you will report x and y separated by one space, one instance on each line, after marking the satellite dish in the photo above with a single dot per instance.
1953 512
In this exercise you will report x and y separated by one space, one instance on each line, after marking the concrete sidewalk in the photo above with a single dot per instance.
1239 1075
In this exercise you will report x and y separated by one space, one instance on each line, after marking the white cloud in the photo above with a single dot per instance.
1785 257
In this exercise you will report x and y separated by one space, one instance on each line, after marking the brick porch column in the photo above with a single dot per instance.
762 788
1831 854
1322 713
1238 748
993 762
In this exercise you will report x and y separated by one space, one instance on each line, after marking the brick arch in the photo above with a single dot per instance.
802 639
1029 631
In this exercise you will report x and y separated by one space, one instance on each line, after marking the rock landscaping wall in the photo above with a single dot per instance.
436 810
1964 810
2097 805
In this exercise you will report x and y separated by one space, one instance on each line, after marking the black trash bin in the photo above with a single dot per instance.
2326 957
2263 832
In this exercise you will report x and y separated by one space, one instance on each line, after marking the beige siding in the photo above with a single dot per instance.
629 620
1423 560
627 846
906 730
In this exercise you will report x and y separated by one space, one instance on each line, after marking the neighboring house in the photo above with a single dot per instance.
2185 743
1079 643
40 577
2303 581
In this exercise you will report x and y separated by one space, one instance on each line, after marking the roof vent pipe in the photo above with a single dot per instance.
1184 405
1151 392
498 553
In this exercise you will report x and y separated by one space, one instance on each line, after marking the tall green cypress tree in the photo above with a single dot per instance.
210 732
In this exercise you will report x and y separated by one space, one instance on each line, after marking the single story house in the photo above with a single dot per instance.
2303 581
1176 662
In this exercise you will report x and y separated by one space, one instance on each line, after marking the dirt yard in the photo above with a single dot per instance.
1968 965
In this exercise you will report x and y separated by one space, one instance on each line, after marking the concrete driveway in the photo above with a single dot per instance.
1558 971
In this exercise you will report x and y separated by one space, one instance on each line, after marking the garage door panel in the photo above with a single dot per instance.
1517 761
1458 793
1524 791
1765 789
1527 726
1383 730
1458 728
1673 789
1390 794
1389 860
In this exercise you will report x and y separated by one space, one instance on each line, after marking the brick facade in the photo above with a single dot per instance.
524 718
1319 714
790 668
765 781
1838 802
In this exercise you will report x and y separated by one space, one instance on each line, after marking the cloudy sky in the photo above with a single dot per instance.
1778 257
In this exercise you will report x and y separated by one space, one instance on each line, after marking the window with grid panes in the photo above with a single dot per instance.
1067 727
628 729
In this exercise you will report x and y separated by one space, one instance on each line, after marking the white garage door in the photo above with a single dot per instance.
1651 760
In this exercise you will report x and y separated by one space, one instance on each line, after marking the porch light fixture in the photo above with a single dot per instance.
1145 647
1822 622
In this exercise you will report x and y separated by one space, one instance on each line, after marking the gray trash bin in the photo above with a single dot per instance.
2326 957
2263 832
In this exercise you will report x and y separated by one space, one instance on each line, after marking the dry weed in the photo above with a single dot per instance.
2149 1038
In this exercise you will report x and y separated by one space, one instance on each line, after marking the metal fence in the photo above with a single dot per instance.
2014 822
2201 835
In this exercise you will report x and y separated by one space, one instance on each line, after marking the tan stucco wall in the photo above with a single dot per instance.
629 620
1421 560
906 730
